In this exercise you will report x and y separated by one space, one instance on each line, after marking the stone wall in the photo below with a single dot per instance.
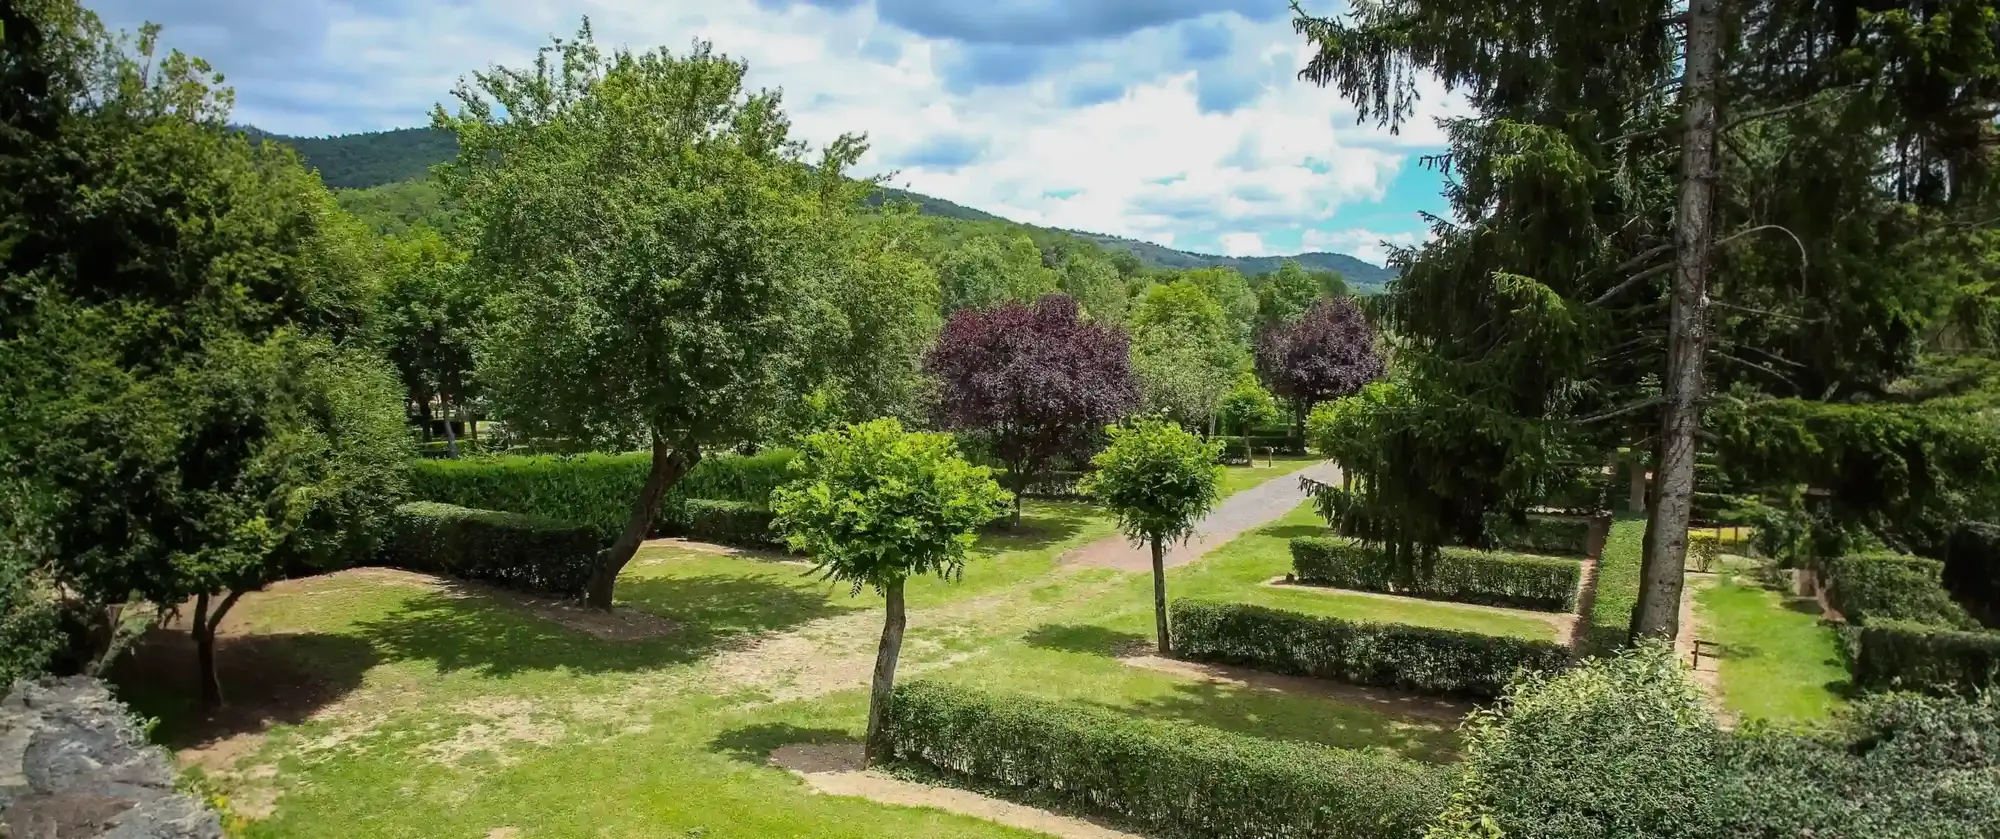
73 766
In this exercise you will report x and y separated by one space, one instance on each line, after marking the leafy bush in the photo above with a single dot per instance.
1389 655
1167 779
1617 585
1884 586
1542 535
1703 550
1898 655
1617 747
1460 575
739 523
507 549
593 489
1972 569
30 631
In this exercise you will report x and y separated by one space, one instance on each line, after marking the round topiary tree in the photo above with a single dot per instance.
876 505
1248 406
1159 480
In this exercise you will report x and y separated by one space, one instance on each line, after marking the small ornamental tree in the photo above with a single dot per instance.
1247 406
1038 382
1328 353
876 505
1159 480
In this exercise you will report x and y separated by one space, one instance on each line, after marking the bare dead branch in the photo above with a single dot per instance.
1643 404
1631 281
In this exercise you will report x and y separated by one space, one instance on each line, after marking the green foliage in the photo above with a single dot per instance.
1884 586
431 311
529 553
1618 567
372 158
1170 780
1542 534
1620 746
1185 351
1904 655
874 505
1247 406
1286 293
352 404
595 490
986 271
1386 655
30 632
1157 478
400 209
1459 575
740 523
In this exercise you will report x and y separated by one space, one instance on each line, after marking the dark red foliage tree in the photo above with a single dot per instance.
1329 352
1037 382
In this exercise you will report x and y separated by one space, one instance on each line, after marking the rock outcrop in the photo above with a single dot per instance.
74 766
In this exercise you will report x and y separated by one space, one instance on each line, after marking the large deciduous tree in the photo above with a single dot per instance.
430 314
1185 351
658 249
875 505
1159 480
1038 383
1327 353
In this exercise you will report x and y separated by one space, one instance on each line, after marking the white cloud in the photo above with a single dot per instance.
1367 245
1242 244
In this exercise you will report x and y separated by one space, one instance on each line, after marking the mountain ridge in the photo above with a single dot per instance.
368 160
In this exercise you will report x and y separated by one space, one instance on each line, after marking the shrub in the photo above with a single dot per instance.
593 489
1166 779
1617 747
30 630
1703 550
1898 655
1972 569
1389 655
507 549
1542 535
1883 586
1617 585
738 523
1287 444
1460 575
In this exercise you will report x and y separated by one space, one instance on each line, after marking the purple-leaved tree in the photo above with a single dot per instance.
1328 353
1039 383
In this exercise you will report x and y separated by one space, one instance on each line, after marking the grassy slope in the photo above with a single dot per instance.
1779 662
453 714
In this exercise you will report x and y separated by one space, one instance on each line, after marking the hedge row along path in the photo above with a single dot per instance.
1237 514
837 770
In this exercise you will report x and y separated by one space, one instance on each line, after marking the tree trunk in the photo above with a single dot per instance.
884 688
1637 481
1658 614
450 437
669 464
1160 598
424 413
205 625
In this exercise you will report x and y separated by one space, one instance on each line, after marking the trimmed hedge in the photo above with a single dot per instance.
1413 658
1279 443
1542 535
737 523
1972 569
1618 573
1172 780
1882 586
1460 575
506 549
593 489
1899 655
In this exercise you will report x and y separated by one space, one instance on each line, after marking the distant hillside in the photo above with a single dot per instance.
374 170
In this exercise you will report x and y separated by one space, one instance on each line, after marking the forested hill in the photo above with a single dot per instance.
381 172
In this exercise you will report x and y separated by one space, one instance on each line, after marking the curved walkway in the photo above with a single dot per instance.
1258 505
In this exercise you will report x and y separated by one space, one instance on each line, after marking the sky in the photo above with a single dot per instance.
1179 122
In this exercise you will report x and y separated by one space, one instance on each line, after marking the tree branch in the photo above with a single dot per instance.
1771 112
1755 366
1793 318
1631 281
1643 404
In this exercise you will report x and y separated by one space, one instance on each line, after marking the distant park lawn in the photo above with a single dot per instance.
1780 663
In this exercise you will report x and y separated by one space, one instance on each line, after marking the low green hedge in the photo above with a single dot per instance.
1562 536
1165 779
1618 577
1279 443
737 523
1881 586
1412 658
1459 575
1898 655
1972 569
593 489
507 549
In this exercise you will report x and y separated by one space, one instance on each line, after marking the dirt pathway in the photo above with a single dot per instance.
1258 505
1708 670
836 770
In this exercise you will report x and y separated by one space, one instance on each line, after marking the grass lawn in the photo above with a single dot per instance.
1779 662
1236 479
400 707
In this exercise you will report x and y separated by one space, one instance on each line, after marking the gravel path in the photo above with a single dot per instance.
1258 505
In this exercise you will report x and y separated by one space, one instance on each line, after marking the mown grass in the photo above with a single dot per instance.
1779 661
455 713
1236 479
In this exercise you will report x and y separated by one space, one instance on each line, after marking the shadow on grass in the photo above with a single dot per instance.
1089 640
1277 716
1804 605
267 680
1043 524
1291 531
475 632
755 743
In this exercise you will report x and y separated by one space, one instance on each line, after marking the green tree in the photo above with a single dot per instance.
1248 406
880 315
990 269
658 251
1233 292
875 505
430 314
1185 351
1093 281
1159 480
1286 294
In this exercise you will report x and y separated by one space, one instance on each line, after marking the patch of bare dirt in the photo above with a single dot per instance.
1395 703
497 725
1586 599
1564 623
1707 668
504 833
710 548
836 770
